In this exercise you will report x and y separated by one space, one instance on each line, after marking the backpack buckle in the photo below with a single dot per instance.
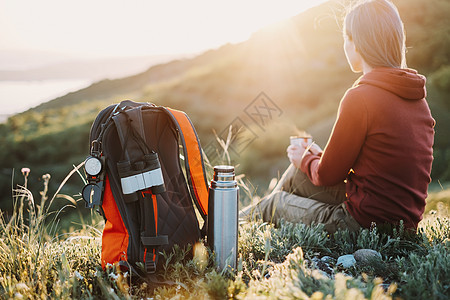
96 148
150 266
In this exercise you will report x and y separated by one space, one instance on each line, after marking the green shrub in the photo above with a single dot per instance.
274 261
426 276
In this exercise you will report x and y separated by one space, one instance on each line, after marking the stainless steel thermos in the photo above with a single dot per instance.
223 216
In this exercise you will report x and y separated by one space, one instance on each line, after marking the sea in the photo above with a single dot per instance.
19 96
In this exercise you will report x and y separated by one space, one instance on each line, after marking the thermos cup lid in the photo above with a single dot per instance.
224 169
223 177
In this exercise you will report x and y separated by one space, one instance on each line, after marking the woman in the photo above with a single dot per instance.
376 165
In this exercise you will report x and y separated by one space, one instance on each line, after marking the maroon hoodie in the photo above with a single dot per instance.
381 144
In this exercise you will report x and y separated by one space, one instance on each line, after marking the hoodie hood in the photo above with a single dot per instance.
405 83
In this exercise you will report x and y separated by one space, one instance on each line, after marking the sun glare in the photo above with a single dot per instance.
137 27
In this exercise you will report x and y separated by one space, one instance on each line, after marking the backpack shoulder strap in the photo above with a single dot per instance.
195 169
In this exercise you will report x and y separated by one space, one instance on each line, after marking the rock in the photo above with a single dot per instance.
367 256
346 261
328 260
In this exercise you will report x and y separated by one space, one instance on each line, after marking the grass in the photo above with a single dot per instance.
274 262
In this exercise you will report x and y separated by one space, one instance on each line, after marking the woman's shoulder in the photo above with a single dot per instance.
358 93
367 93
355 100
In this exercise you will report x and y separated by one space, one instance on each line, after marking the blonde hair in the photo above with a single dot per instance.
378 33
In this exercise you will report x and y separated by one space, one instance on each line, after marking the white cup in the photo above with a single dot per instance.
297 140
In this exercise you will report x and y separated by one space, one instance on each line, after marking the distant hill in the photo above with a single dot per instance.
285 78
92 69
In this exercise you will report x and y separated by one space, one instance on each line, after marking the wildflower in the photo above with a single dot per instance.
317 296
392 288
200 256
22 286
25 171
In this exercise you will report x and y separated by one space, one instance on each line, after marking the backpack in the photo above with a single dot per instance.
136 180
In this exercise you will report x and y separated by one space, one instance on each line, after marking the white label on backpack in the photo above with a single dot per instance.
130 184
141 181
153 177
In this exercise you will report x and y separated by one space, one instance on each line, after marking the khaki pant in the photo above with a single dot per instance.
296 199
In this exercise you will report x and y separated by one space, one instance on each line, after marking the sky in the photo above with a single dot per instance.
111 28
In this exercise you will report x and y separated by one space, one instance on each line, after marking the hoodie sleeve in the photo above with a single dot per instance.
344 144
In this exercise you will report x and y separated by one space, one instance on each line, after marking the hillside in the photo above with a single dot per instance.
297 68
70 68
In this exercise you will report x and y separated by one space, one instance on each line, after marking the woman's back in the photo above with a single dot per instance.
391 174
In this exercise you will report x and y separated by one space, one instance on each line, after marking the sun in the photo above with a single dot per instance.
137 27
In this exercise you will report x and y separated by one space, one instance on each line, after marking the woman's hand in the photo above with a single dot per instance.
315 149
296 153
